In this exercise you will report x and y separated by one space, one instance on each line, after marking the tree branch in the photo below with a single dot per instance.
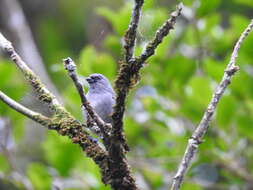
130 35
127 77
63 122
44 94
202 128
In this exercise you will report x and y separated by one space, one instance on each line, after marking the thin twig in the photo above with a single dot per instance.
37 117
202 128
130 35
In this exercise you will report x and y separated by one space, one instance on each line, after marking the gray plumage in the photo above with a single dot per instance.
101 96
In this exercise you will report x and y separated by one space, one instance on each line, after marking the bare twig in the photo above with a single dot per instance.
202 128
130 35
70 66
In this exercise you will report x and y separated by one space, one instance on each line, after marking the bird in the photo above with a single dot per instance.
101 96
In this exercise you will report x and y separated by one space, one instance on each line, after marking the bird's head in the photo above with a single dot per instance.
98 82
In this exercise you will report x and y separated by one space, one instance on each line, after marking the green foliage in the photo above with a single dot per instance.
61 153
93 61
118 19
4 165
39 176
13 85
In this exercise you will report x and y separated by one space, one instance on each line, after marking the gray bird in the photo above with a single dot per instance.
101 96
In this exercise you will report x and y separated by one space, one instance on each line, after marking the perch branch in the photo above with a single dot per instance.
130 35
202 128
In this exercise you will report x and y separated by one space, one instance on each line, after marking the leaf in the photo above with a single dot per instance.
207 7
226 110
119 19
61 153
94 62
39 176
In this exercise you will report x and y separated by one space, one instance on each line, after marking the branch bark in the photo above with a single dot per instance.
37 117
63 122
127 77
160 34
130 35
202 128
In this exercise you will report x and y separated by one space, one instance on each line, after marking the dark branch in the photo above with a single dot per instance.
130 36
127 77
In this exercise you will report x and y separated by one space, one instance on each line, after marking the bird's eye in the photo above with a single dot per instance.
92 77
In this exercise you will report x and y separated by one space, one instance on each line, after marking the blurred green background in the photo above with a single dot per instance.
163 109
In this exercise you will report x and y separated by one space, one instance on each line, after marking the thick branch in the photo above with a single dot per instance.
202 128
130 36
127 77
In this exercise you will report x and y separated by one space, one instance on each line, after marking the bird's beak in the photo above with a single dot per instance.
89 80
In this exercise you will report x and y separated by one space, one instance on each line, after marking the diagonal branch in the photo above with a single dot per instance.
202 128
44 94
37 117
130 36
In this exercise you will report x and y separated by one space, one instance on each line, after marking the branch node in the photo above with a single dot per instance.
69 64
232 70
